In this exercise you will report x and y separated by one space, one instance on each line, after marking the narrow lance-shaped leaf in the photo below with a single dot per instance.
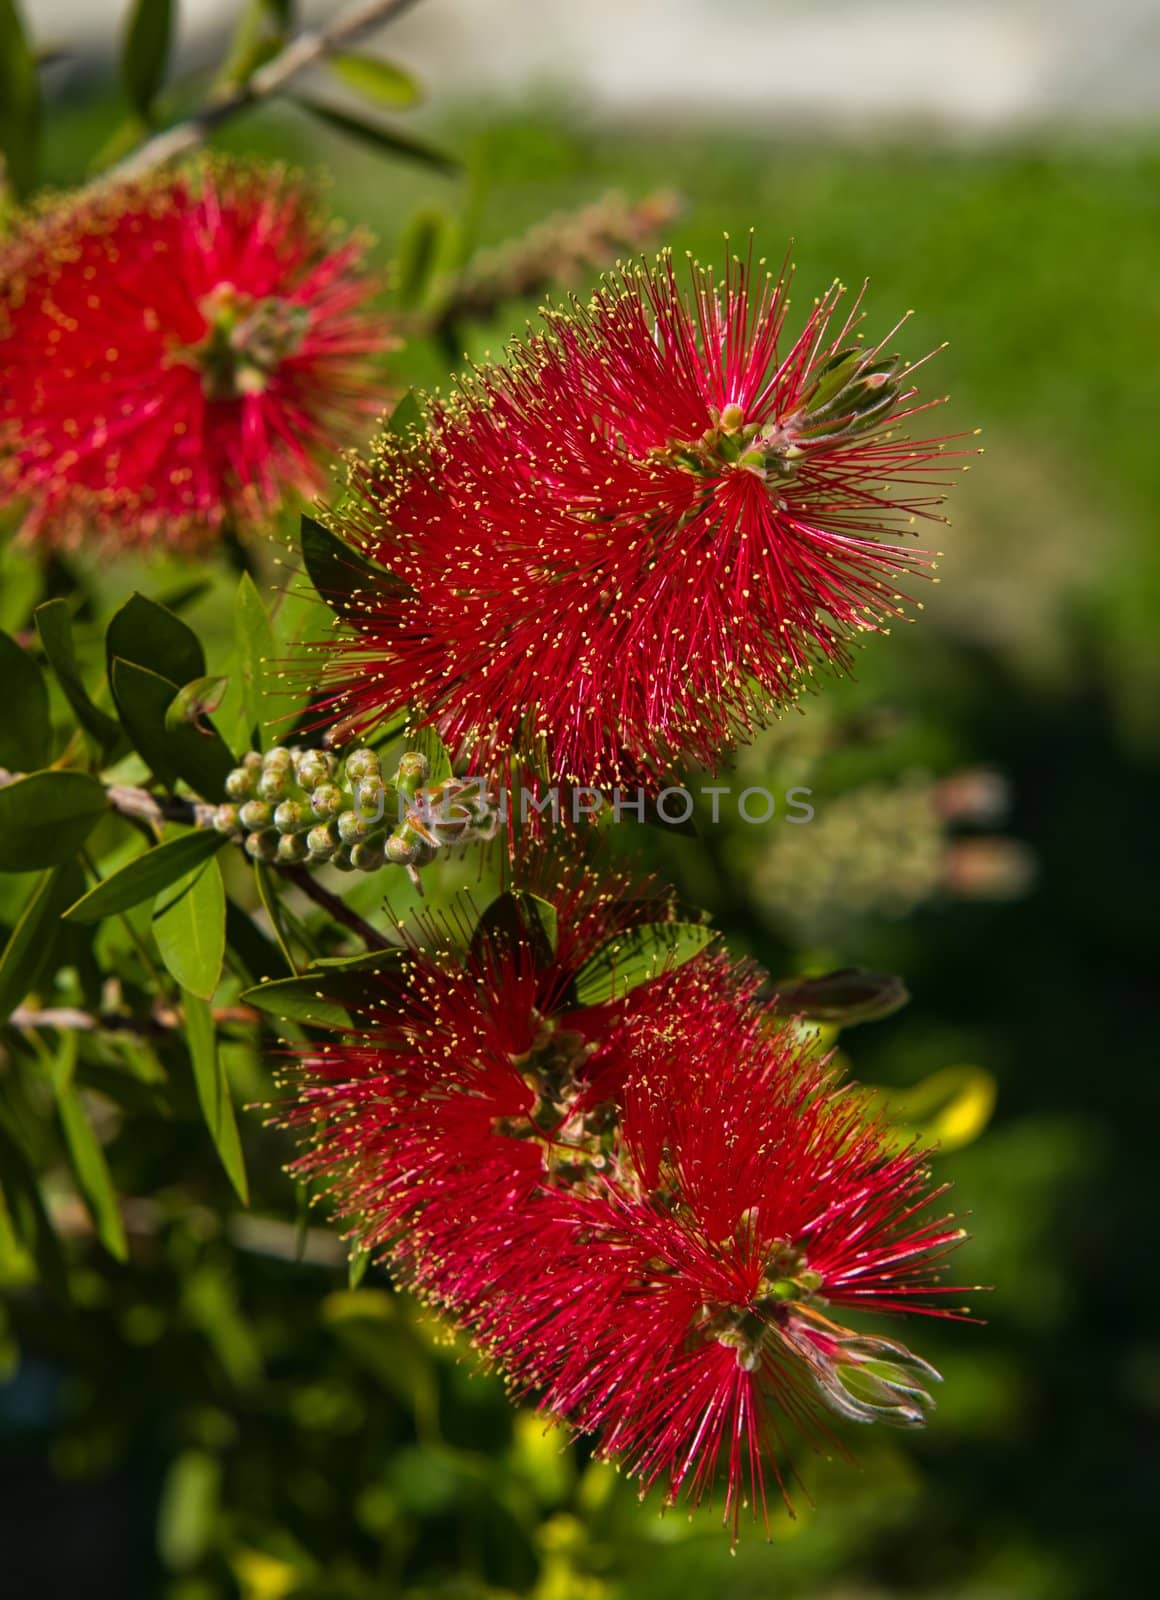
255 647
33 940
189 924
379 135
145 877
19 102
338 572
145 52
54 625
213 1091
636 955
25 731
382 81
89 1165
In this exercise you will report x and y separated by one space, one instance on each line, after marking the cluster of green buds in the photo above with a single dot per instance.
852 393
306 808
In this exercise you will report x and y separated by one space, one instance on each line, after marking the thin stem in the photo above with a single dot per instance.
336 907
305 50
162 1019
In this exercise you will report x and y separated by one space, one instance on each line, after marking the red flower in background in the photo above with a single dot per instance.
646 1212
643 534
179 355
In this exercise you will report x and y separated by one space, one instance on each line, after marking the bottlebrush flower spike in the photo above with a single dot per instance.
179 355
687 1321
640 537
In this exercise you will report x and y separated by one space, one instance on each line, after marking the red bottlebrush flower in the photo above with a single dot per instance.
179 354
642 535
646 1212
686 1319
448 1106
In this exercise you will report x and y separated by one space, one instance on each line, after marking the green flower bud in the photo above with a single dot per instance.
279 758
274 784
362 763
414 769
262 846
322 841
352 828
341 859
370 799
291 817
255 814
292 848
327 800
368 856
240 783
225 819
313 768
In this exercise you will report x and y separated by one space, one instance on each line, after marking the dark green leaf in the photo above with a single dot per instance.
26 1209
213 1091
339 573
846 997
195 701
55 628
86 1155
517 918
382 81
254 956
266 883
416 259
197 750
378 135
189 924
150 635
25 731
142 698
407 416
145 52
299 999
256 651
33 940
19 103
46 817
146 876
637 954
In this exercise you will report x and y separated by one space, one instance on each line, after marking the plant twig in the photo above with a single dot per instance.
336 907
305 50
162 1019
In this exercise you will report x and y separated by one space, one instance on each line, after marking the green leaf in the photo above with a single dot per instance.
46 817
142 698
357 1263
196 700
637 954
54 625
19 103
256 651
213 1091
378 135
189 924
339 573
416 260
150 635
300 999
407 417
86 1155
331 990
847 997
519 918
265 882
949 1108
174 748
25 730
145 52
197 750
381 81
145 877
32 942
254 956
27 1212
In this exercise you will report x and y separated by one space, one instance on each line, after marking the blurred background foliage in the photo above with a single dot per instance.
220 1415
